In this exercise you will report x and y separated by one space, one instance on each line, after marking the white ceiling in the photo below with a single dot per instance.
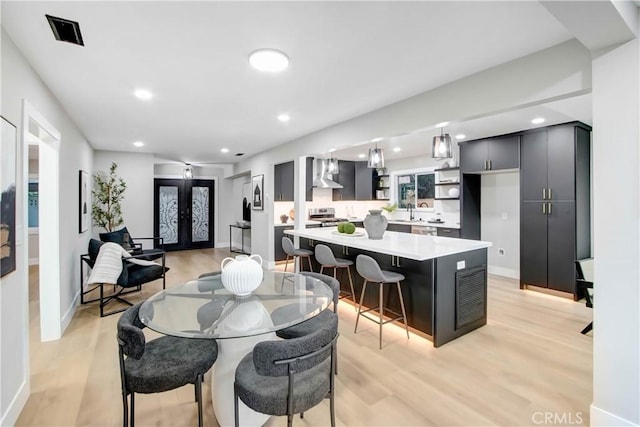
347 58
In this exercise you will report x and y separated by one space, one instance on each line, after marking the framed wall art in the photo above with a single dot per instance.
8 179
257 185
85 211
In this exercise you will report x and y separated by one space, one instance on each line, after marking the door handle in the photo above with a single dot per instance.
549 208
544 209
549 194
544 194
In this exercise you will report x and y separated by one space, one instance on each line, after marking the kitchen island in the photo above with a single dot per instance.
445 290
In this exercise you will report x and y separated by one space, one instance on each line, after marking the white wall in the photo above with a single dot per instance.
616 317
19 81
500 221
136 169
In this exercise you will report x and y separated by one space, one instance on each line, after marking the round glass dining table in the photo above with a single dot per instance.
204 309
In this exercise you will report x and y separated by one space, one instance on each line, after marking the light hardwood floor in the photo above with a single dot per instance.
529 359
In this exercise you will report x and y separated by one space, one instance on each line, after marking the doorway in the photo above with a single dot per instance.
183 212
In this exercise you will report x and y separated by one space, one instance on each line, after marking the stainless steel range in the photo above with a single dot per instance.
326 216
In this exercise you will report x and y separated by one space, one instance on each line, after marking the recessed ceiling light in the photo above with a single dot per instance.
538 120
442 124
284 117
396 149
269 60
224 150
377 139
139 144
362 155
461 136
143 94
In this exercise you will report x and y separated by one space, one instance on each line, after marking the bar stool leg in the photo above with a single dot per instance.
286 263
404 314
353 293
310 265
364 288
381 310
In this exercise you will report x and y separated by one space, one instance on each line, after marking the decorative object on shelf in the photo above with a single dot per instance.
442 147
375 224
445 165
257 184
454 192
108 193
284 218
292 214
241 275
376 157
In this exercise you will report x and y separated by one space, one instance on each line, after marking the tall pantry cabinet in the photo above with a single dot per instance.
555 218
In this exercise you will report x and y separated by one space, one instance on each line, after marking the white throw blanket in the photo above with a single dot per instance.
108 264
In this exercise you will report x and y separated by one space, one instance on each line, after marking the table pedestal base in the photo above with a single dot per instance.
230 353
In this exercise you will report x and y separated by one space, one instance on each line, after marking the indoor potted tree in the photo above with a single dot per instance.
108 193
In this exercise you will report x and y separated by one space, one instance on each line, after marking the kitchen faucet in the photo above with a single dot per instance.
410 209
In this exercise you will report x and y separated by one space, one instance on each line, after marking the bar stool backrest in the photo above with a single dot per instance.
324 255
287 246
368 268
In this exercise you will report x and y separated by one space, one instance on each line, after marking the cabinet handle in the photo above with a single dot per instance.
397 261
485 165
393 261
549 194
544 208
549 208
544 194
490 164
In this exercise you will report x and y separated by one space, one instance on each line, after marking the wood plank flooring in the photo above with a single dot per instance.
530 358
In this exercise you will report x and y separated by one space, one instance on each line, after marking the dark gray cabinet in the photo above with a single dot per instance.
284 176
403 228
278 234
283 182
555 205
358 181
448 232
490 154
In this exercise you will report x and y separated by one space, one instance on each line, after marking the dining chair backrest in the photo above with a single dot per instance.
368 268
330 281
324 255
130 335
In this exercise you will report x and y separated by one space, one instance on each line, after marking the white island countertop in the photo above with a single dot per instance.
411 246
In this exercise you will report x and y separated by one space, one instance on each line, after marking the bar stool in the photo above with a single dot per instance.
325 258
292 252
368 268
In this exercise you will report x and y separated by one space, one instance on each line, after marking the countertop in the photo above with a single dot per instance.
412 246
443 224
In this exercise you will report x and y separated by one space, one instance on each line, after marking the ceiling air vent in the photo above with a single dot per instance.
65 30
239 154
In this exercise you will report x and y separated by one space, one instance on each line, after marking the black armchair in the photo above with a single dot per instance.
131 279
124 239
586 287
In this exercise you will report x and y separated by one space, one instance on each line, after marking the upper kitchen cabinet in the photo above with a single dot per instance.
283 182
357 180
284 175
490 154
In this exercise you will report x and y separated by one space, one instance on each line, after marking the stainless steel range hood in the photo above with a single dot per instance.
321 178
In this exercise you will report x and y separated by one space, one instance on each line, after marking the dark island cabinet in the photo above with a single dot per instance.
278 234
402 228
448 232
491 154
555 205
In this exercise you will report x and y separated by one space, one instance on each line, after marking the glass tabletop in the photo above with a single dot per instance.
203 308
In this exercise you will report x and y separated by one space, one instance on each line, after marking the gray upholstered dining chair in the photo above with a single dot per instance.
162 364
290 376
293 253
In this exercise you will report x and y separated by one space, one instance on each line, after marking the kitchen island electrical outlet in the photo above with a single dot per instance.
461 265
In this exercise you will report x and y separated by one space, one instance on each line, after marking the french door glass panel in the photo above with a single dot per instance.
169 214
199 214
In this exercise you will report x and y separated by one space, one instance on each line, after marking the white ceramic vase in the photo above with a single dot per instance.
241 275
375 224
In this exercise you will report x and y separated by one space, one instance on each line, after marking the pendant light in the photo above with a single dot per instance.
332 165
376 157
442 147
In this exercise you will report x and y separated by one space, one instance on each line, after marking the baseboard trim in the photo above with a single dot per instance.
505 272
10 417
68 315
600 417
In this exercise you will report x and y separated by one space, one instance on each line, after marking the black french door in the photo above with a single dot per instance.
183 213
